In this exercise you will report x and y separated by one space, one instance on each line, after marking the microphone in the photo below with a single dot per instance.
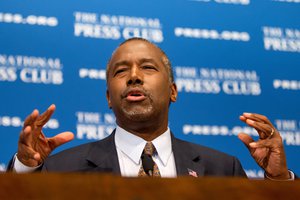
148 164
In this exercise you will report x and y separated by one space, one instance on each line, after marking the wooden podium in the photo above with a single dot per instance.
105 186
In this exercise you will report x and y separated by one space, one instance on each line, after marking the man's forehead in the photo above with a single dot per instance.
137 47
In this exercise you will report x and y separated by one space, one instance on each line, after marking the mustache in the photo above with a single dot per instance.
129 90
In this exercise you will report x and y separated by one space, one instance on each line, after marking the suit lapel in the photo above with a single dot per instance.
103 156
186 160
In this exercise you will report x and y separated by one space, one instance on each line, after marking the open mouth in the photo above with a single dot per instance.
135 95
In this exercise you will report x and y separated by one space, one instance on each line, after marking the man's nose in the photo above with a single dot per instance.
135 76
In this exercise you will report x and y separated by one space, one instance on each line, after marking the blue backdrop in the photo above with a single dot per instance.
229 57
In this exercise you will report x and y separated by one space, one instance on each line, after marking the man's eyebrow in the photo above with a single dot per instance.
122 62
151 60
127 63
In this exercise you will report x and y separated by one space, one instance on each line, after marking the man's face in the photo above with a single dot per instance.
138 85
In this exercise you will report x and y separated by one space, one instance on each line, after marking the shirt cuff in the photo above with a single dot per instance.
292 177
19 167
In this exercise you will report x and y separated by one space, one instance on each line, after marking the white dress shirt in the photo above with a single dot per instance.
130 148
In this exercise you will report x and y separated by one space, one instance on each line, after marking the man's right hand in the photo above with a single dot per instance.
33 146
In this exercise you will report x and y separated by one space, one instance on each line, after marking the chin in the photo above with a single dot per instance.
143 114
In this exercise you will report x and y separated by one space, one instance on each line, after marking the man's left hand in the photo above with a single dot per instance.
268 151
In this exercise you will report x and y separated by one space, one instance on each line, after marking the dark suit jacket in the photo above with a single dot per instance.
101 156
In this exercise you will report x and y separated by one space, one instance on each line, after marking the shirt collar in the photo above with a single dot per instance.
133 146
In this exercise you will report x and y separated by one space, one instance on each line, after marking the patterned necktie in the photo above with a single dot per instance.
149 150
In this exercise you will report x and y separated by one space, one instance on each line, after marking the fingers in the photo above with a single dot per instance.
33 145
269 136
268 151
257 117
30 119
264 130
251 144
25 136
261 123
38 121
44 118
26 152
28 156
34 123
33 155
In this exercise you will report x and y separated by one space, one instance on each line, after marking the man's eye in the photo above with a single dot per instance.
149 67
119 71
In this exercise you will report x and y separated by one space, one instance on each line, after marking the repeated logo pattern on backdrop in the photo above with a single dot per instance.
228 56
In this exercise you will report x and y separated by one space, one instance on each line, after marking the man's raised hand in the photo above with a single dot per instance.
33 146
268 151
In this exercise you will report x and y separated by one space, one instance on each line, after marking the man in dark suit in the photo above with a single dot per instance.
140 89
203 161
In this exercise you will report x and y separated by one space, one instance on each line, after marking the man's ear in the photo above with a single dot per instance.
108 99
174 92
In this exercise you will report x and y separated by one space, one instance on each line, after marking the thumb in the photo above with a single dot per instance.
261 144
246 139
60 139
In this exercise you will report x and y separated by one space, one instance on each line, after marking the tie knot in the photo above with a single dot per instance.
149 149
